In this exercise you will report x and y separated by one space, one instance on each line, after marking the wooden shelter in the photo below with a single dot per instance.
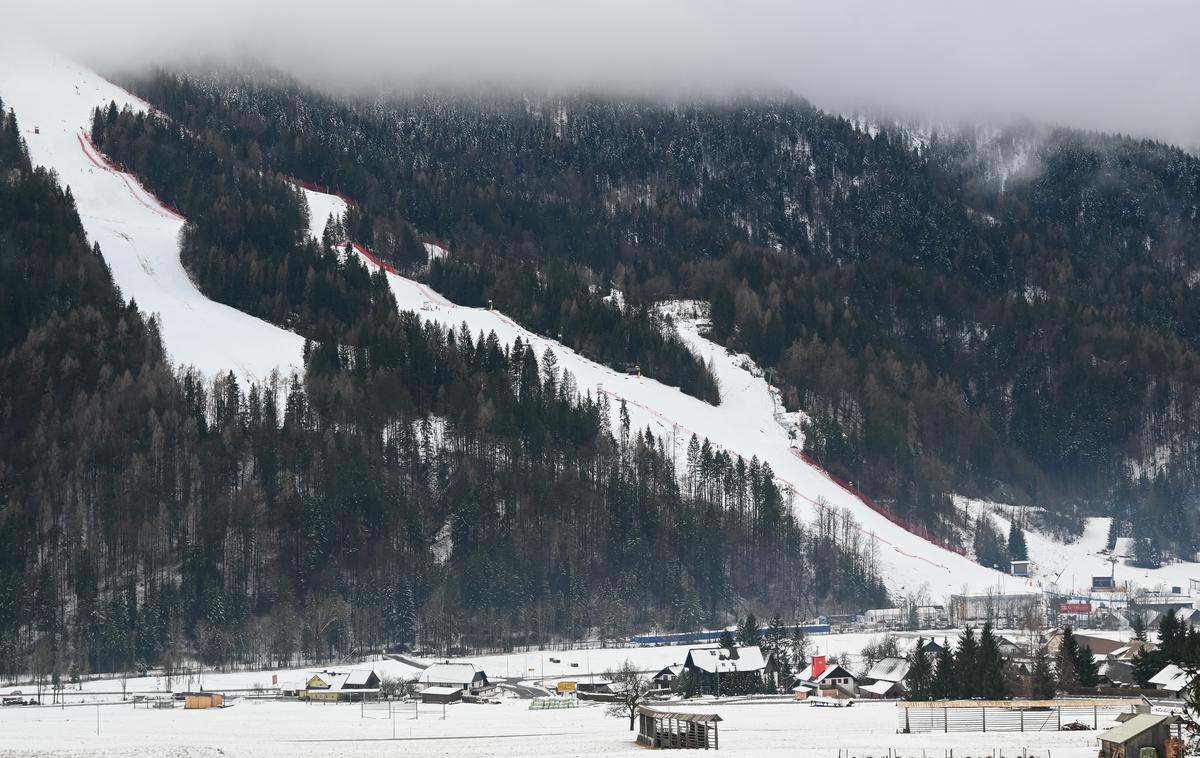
1144 730
676 729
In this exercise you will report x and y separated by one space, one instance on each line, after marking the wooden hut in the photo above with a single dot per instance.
677 729
1143 730
200 700
441 695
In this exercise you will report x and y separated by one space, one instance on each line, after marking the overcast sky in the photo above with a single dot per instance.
1130 66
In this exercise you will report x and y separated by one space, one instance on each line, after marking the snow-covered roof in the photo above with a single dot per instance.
889 669
440 690
358 677
675 669
1171 678
807 676
450 673
881 688
1133 727
714 660
337 680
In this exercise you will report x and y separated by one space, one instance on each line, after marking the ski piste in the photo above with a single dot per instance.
53 98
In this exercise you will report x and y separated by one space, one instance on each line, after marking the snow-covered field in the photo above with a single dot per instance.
138 236
509 729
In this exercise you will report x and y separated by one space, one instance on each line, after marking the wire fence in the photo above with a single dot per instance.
950 752
917 720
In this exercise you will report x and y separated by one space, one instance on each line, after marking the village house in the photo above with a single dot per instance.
342 687
1172 680
665 679
717 670
826 681
885 679
934 648
468 677
1010 648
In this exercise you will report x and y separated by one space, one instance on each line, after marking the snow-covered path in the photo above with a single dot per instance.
138 236
744 423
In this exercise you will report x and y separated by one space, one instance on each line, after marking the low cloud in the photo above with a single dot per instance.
1104 64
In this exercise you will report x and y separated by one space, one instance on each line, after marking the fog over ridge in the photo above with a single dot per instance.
1105 65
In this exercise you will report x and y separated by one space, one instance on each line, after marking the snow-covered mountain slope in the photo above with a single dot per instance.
1068 567
53 99
744 424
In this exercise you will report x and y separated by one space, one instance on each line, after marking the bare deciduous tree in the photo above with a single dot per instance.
631 687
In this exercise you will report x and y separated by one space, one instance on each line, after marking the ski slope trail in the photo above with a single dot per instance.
743 424
139 236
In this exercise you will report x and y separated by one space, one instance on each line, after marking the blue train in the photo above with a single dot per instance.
691 638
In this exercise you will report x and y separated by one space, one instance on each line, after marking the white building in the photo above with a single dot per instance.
467 677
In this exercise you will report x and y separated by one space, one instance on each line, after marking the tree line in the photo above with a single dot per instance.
416 486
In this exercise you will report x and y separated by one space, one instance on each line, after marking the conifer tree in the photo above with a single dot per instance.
1068 654
990 666
943 685
988 549
1043 683
1087 671
919 681
726 640
747 632
1016 544
1138 622
799 650
966 665
776 643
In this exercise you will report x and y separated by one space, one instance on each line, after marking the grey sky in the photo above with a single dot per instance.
1118 66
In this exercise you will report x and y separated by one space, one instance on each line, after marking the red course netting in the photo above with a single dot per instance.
916 529
102 161
366 254
323 190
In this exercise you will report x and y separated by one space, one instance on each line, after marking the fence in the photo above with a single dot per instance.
921 719
951 752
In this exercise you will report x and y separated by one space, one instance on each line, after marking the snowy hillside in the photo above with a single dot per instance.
744 424
53 99
1069 567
